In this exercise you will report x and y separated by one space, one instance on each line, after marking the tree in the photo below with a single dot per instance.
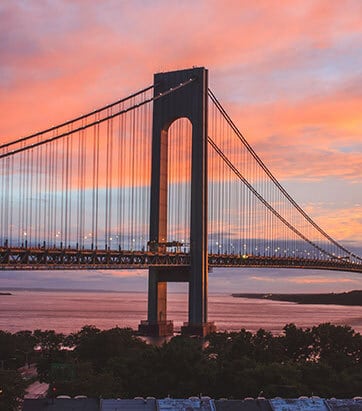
99 347
12 389
7 351
297 343
88 331
266 348
241 344
24 342
49 340
338 346
51 344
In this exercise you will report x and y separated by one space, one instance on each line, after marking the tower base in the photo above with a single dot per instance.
159 329
201 330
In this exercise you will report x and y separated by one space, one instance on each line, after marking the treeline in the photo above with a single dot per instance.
324 360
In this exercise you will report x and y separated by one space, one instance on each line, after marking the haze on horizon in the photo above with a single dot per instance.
289 75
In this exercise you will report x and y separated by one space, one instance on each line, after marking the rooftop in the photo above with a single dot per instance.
193 404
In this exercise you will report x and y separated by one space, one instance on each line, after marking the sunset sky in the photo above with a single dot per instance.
289 74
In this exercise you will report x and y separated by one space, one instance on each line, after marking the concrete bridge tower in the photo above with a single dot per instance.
189 101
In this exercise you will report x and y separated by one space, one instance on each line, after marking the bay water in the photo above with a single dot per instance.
69 311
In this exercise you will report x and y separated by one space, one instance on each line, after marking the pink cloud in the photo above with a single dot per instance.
269 65
321 280
305 280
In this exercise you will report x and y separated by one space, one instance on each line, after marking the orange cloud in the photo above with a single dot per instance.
343 223
76 64
309 139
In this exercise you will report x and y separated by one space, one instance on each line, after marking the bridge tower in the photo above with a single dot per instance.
189 101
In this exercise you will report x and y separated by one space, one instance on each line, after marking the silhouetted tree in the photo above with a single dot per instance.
297 343
324 360
12 388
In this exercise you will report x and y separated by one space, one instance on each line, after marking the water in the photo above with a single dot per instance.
69 311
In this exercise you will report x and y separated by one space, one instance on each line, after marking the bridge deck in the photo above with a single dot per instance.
75 259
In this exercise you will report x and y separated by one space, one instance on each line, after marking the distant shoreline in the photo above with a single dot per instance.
347 298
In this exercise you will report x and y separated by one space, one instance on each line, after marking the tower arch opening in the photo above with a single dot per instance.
179 135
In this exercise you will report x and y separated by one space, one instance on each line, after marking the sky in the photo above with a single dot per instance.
288 73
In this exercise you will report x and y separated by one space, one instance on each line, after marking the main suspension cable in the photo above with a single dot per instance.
271 176
261 198
84 116
97 122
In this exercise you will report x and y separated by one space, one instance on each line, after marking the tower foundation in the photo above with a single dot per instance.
158 329
200 330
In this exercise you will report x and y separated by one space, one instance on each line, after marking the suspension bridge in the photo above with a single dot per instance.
162 179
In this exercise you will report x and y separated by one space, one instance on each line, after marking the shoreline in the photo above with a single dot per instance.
350 298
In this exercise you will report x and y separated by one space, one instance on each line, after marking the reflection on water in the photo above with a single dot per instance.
69 311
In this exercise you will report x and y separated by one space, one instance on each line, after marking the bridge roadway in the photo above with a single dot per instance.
20 258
